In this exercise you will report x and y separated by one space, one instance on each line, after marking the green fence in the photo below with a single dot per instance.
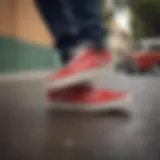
18 55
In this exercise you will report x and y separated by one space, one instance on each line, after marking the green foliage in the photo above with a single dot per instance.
137 27
146 17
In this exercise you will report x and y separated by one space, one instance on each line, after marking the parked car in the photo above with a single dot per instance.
145 57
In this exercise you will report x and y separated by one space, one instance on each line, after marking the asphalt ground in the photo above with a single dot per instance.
31 130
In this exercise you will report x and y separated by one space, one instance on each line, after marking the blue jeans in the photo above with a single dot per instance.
72 21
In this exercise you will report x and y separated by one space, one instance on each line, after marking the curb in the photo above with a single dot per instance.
24 76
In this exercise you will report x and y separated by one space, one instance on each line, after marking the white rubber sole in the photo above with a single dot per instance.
116 105
78 78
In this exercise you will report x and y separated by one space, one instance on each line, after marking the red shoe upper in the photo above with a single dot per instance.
96 96
88 60
86 94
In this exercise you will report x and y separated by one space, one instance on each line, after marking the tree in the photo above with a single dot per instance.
146 17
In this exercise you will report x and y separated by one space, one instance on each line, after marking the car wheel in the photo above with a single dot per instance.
156 69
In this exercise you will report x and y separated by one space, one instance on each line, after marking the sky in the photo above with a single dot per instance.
123 17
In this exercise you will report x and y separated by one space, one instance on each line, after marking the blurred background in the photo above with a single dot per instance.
23 38
23 33
29 130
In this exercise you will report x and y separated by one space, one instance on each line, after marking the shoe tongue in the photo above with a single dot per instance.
79 50
79 56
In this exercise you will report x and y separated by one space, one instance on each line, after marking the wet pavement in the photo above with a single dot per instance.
31 130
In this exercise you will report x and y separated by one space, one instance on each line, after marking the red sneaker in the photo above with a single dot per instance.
82 68
90 99
64 94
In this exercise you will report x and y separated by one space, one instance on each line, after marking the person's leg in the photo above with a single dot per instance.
63 25
58 16
87 64
89 20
